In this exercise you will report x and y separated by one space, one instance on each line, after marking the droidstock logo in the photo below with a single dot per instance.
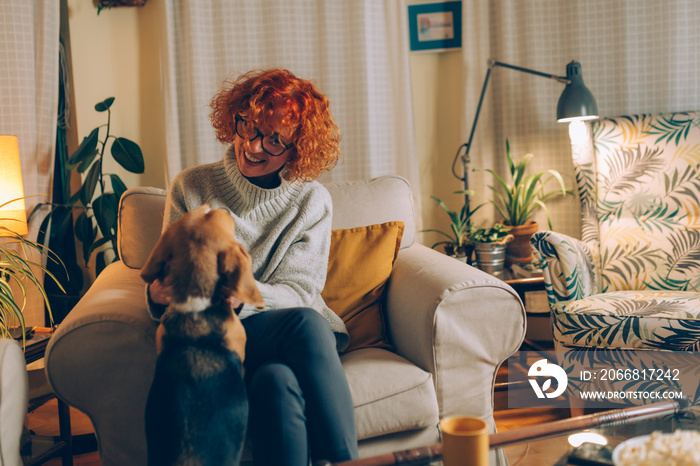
543 368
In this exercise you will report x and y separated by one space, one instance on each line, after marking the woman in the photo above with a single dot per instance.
281 138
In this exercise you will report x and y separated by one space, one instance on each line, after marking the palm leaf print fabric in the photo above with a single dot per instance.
633 280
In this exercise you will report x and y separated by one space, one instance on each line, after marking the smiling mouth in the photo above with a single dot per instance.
251 159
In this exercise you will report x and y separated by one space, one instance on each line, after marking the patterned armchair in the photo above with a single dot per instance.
633 281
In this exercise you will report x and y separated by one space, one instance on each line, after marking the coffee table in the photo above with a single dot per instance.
559 451
540 445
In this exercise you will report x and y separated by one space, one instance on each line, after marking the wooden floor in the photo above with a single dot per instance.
527 454
44 421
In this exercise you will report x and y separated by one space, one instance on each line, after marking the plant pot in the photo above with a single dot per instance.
461 253
490 257
519 249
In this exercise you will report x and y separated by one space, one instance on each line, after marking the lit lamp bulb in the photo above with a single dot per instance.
13 216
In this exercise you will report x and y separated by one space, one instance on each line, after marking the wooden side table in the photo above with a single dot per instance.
522 286
42 448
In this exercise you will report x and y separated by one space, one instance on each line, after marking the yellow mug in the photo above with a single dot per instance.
465 441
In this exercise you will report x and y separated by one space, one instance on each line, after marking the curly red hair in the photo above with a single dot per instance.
257 94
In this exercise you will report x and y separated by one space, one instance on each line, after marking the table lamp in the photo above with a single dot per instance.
576 103
13 216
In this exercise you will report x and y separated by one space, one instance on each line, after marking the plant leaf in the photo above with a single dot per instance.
105 208
85 232
41 235
128 154
87 190
100 262
83 227
105 104
87 161
86 149
118 186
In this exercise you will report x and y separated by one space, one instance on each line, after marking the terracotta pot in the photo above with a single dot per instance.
519 249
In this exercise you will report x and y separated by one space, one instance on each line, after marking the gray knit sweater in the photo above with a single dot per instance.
286 230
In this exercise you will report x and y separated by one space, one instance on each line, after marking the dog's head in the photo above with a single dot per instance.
199 256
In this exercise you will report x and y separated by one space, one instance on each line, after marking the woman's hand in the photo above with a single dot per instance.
231 300
234 302
160 292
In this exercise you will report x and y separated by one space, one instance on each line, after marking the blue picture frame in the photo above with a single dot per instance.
435 27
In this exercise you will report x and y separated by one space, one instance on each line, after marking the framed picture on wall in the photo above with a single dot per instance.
435 27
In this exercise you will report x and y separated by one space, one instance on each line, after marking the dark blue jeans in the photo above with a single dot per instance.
300 404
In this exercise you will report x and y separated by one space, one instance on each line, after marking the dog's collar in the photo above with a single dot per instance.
192 304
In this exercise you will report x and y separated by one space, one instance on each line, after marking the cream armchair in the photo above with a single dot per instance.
13 400
452 326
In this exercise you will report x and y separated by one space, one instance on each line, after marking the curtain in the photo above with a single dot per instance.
29 99
355 51
637 56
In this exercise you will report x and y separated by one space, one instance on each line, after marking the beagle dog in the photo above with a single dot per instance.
197 407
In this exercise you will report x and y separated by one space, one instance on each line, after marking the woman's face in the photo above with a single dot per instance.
261 168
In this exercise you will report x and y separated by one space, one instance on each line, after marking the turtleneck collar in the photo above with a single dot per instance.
246 195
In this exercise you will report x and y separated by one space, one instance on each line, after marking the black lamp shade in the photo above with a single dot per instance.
576 102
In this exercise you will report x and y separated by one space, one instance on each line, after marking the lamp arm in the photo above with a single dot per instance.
467 146
465 157
562 79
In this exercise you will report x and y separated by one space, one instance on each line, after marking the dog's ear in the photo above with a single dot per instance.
236 266
156 262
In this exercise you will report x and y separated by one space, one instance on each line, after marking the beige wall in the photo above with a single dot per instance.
118 53
437 95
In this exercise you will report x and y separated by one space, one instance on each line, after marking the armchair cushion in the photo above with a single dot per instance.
389 393
640 319
360 262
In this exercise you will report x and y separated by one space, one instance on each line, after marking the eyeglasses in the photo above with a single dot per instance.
270 144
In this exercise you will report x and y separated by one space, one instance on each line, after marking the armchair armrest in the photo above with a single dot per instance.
567 265
110 321
456 322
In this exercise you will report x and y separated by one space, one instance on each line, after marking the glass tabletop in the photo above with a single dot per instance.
600 442
595 445
540 445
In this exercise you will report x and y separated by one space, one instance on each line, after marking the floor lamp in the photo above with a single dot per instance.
13 217
576 103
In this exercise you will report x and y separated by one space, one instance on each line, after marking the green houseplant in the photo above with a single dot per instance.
96 224
516 201
457 240
490 247
16 267
498 234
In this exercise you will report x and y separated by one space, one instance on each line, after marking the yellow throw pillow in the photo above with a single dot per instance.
361 260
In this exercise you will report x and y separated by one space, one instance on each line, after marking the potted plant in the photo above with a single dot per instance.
96 224
458 240
490 247
16 268
517 200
